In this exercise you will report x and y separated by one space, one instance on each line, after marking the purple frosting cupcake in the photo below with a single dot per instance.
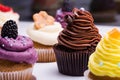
17 55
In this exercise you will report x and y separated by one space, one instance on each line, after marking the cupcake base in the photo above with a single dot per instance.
17 75
45 53
71 62
15 71
89 76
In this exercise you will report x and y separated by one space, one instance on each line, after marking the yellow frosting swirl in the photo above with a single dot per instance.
105 61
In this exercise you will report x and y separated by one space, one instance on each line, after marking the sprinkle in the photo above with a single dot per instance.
59 18
11 45
83 9
14 41
24 44
23 39
101 63
3 45
23 36
6 37
119 64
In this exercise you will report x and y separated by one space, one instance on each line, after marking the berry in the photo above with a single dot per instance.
4 8
67 6
10 29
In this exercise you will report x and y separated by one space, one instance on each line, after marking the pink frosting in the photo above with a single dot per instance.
18 50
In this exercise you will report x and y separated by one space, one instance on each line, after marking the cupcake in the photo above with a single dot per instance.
17 55
7 13
104 63
66 9
44 34
76 43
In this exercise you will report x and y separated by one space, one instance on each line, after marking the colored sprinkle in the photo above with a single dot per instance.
14 41
24 44
23 36
6 37
83 9
59 18
11 45
101 63
3 45
119 64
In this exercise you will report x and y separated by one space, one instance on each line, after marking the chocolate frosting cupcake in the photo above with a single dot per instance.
76 43
81 32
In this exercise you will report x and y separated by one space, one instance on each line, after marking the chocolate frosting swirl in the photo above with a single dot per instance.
80 32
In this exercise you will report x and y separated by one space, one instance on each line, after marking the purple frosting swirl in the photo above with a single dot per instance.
21 43
18 50
60 17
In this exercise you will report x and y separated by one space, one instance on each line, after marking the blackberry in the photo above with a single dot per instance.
10 29
67 6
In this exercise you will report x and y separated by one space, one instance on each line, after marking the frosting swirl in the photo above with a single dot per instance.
46 35
45 30
105 61
81 32
18 50
60 17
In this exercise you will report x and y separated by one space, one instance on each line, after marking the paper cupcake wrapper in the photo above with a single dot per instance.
17 75
86 73
46 55
72 63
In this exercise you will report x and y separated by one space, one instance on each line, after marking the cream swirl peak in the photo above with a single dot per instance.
80 32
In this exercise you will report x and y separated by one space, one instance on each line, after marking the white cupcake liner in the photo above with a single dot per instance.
86 73
17 75
46 55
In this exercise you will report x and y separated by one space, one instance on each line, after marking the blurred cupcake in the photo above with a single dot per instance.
76 43
17 55
104 63
44 33
66 9
7 13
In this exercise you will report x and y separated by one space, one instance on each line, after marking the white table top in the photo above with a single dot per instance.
49 71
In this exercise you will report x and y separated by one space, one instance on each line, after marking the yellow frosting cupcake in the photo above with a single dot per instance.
105 61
